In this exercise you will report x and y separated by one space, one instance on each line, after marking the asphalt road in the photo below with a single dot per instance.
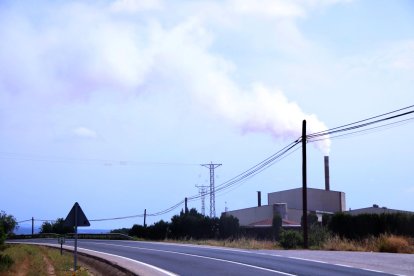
203 260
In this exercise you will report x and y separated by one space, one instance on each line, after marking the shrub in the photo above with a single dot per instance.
290 239
57 227
5 262
365 225
318 235
393 244
228 227
2 236
8 222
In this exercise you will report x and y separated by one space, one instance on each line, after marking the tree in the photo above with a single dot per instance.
7 222
56 227
228 226
193 225
2 236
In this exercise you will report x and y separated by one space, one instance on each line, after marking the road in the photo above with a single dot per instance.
204 260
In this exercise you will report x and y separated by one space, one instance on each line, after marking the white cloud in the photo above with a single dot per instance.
132 6
95 52
84 132
271 8
397 57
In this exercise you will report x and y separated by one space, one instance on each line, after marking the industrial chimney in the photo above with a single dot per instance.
259 198
326 159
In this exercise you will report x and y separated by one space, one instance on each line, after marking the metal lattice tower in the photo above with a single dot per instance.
212 166
202 191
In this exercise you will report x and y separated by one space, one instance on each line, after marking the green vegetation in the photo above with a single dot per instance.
189 225
7 225
56 227
290 239
37 260
366 225
383 243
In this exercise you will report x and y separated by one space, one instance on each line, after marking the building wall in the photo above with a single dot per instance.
318 200
250 215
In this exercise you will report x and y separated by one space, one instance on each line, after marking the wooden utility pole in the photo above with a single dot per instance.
304 188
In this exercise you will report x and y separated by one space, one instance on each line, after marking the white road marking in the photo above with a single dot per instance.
344 265
373 270
309 260
132 260
199 256
108 254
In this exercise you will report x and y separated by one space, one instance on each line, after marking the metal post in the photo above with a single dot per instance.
212 166
32 227
304 188
145 218
75 257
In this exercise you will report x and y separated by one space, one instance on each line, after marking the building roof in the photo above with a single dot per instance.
375 209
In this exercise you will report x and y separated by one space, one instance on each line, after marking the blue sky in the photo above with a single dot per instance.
114 104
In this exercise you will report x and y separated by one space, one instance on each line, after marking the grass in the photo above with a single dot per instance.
38 260
383 243
244 243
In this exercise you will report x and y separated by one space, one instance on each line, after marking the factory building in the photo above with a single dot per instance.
375 209
288 205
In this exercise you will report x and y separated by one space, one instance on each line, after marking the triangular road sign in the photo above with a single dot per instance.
76 217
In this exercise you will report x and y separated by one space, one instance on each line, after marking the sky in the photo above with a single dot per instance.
115 104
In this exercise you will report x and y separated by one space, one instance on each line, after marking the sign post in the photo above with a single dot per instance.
61 240
75 218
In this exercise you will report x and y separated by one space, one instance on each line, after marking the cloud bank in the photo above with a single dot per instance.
78 50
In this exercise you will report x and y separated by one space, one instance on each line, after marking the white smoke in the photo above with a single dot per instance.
79 50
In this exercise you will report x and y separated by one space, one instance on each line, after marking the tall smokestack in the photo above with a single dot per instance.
259 198
326 159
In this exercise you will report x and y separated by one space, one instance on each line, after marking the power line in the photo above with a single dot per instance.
360 121
348 127
286 151
61 159
366 131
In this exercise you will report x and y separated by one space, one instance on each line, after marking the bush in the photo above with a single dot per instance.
2 236
157 231
366 225
7 222
56 227
228 227
5 262
290 239
393 244
193 225
318 235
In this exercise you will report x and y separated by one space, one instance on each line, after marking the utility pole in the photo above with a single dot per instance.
212 166
185 206
145 217
32 227
304 188
202 191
